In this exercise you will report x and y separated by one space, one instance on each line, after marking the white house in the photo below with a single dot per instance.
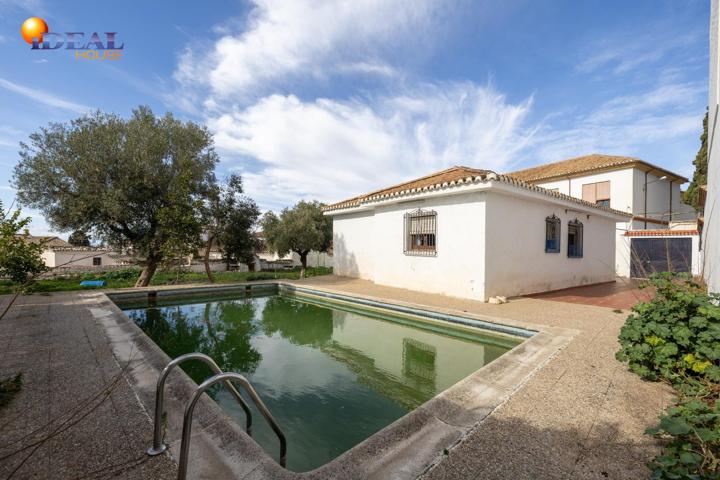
711 230
60 254
650 193
472 233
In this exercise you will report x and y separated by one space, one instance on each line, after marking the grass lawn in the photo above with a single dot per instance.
126 278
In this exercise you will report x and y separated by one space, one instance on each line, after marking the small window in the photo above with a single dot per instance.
575 239
603 203
552 234
97 261
421 233
597 193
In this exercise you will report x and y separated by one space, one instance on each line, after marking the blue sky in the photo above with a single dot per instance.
325 100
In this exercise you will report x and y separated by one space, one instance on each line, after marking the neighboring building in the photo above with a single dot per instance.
650 193
266 259
711 217
472 233
60 254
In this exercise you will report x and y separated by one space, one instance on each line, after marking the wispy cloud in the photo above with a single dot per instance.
36 7
43 97
621 54
626 124
328 149
286 38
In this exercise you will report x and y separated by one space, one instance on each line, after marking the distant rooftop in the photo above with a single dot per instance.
587 164
48 241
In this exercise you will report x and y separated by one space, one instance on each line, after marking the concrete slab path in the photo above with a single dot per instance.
76 415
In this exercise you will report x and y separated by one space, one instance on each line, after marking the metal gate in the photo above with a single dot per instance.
650 255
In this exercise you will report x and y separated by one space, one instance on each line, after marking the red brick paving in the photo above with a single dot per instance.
621 294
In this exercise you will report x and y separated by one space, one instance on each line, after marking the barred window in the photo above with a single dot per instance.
552 234
575 239
421 233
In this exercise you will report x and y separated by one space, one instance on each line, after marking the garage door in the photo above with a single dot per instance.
650 255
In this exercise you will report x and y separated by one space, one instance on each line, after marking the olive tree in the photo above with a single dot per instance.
78 238
20 259
299 229
231 218
139 183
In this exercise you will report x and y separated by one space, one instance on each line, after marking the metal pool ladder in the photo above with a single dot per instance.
159 447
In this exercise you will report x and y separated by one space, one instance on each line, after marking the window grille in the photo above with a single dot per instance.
552 234
575 239
421 233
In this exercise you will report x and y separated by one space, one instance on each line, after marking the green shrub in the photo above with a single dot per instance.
692 432
676 335
122 274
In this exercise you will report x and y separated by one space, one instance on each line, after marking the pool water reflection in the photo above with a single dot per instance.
330 376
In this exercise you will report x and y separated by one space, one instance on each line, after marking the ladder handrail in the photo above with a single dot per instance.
190 408
158 446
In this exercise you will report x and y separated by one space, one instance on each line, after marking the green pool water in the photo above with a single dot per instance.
331 375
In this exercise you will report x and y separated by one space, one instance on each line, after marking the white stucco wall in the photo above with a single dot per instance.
369 245
515 257
621 187
354 245
488 244
314 259
627 193
711 231
70 259
664 199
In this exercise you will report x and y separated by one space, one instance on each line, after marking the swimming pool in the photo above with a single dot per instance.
332 373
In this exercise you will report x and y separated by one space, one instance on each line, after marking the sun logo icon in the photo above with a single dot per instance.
33 28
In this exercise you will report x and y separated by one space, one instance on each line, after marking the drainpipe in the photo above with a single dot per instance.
670 219
645 202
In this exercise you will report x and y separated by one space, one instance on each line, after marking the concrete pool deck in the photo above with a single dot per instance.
581 415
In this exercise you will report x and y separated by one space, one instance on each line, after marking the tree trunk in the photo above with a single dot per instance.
303 262
207 259
148 272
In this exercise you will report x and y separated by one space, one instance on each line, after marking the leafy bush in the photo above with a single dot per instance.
674 336
692 429
123 274
20 259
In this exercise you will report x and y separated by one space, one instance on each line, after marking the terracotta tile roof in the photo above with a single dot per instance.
70 248
47 241
449 176
587 164
661 233
454 177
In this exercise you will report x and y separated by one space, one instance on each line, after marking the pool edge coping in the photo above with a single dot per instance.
406 448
